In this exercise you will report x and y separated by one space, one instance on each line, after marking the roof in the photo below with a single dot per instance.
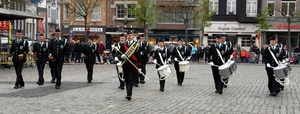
7 14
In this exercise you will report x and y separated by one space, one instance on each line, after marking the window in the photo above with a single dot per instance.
172 17
288 7
96 14
251 8
246 41
271 7
211 40
79 12
213 5
120 10
231 7
130 14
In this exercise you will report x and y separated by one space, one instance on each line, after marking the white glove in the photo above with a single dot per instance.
116 59
154 61
283 61
175 59
211 64
231 56
189 58
169 59
268 65
140 71
123 56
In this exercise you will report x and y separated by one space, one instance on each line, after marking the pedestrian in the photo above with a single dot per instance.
89 53
18 51
194 53
180 53
216 54
40 54
58 53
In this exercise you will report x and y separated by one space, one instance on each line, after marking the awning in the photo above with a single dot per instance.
172 36
7 14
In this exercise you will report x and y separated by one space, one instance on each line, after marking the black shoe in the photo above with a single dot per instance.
162 90
142 82
273 94
57 87
136 85
39 83
16 87
225 86
52 81
89 82
121 87
216 91
180 84
128 98
220 92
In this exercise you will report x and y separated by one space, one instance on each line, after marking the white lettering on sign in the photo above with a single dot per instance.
231 28
81 29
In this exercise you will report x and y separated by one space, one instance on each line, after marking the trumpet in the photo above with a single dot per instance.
20 57
34 57
51 58
84 56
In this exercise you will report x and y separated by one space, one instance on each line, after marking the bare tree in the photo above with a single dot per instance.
180 11
81 8
288 13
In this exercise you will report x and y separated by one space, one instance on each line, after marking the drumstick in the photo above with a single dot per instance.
132 64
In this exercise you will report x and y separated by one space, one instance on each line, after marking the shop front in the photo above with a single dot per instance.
242 34
78 32
281 30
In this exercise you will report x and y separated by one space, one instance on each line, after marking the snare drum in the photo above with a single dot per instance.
164 71
279 72
184 66
119 66
233 66
288 69
224 71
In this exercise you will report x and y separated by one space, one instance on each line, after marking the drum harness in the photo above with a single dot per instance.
287 80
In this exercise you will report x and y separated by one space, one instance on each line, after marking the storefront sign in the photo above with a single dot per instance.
232 28
285 25
82 29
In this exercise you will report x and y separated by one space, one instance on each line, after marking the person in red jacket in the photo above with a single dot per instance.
101 48
247 56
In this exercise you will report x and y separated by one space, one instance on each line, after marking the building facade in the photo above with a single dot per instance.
119 19
279 11
236 19
73 24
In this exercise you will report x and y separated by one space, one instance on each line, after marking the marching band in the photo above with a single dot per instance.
131 56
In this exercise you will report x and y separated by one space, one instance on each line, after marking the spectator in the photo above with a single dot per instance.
200 52
238 54
247 56
205 53
101 48
193 52
243 55
255 51
262 53
77 50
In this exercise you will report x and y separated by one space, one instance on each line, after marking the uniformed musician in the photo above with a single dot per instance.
272 57
143 59
130 50
285 55
161 56
180 53
89 53
229 52
216 55
40 54
58 53
18 51
120 75
52 69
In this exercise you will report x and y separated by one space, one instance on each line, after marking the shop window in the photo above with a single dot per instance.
246 41
251 9
213 5
231 7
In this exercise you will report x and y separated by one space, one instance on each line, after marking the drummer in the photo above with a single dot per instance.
115 52
180 54
280 47
270 62
229 52
161 56
216 54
